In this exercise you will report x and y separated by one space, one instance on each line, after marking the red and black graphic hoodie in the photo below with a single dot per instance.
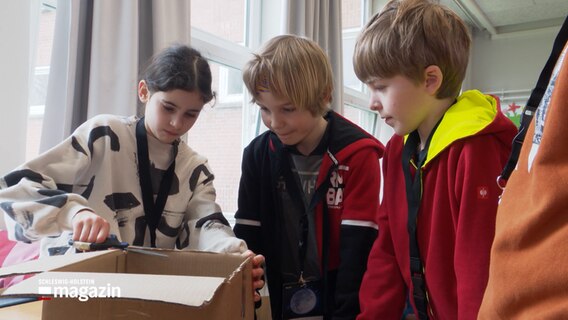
345 216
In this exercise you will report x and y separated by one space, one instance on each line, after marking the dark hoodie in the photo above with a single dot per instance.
351 202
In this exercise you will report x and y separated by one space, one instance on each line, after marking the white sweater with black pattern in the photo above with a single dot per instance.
96 167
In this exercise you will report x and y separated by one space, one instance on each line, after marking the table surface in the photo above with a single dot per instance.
25 311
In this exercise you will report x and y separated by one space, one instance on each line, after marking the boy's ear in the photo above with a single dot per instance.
143 92
434 76
327 95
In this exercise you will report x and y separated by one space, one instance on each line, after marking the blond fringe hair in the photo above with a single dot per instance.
409 35
293 68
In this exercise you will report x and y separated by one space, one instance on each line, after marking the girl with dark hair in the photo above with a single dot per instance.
128 176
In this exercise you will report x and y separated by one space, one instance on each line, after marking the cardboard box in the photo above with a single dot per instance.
138 284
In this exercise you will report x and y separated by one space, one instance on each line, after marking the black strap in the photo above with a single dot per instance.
533 102
325 260
152 211
304 222
414 197
303 244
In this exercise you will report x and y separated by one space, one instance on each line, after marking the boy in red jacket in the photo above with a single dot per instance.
437 217
309 189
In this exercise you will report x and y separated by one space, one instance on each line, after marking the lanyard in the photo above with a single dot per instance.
414 197
304 223
152 211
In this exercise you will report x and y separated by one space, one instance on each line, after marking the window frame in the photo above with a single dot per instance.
235 55
359 99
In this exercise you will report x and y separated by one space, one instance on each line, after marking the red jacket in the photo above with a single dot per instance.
456 220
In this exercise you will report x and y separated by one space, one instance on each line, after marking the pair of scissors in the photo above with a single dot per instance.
110 243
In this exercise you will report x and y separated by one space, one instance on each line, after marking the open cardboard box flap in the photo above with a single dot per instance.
189 290
199 284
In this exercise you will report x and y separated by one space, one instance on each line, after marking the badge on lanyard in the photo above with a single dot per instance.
302 299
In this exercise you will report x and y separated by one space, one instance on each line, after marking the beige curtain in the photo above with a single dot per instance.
319 20
99 48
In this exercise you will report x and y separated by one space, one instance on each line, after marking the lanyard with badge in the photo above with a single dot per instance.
306 298
152 210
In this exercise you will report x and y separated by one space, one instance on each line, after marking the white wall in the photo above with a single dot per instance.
513 62
506 62
14 70
271 21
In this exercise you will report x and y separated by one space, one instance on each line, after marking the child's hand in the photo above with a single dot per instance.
257 272
89 227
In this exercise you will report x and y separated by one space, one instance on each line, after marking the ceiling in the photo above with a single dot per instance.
502 18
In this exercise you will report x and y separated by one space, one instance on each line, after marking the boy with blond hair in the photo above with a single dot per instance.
309 189
437 217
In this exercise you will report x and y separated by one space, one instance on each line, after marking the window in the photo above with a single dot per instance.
38 88
222 18
354 15
230 91
216 135
222 30
357 110
352 20
226 32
